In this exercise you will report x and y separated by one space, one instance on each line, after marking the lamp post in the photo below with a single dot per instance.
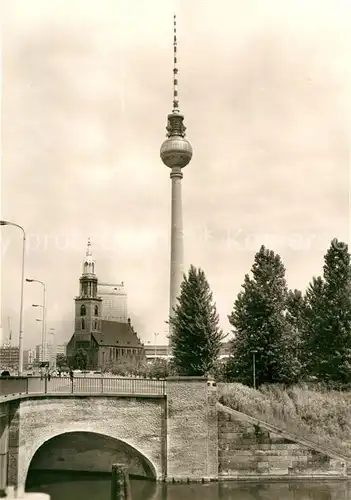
254 352
20 337
44 311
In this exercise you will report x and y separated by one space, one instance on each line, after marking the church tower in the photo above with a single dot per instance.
87 304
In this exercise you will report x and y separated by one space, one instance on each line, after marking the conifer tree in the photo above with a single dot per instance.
195 335
260 324
328 337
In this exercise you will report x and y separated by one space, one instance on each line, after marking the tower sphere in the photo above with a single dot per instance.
176 151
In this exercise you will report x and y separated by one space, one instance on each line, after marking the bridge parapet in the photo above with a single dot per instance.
13 385
81 385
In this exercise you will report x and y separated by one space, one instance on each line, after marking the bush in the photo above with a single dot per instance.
126 368
158 368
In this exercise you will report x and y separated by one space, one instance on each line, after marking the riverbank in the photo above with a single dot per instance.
321 416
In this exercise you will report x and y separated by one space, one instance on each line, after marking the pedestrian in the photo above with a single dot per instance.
49 376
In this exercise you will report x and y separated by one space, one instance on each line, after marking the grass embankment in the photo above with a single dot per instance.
319 415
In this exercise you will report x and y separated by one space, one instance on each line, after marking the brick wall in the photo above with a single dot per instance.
249 450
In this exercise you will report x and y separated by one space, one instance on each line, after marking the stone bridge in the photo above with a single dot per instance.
172 430
165 432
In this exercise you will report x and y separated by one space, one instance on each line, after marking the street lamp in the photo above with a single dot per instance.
20 338
254 352
44 311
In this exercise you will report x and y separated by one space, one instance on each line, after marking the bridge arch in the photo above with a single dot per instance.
87 451
134 422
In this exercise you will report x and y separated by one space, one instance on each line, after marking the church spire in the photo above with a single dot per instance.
88 253
89 263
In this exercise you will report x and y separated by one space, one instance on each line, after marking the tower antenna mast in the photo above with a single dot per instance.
175 67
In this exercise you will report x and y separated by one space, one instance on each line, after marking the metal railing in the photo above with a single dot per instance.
82 385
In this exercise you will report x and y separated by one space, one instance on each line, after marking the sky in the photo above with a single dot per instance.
86 88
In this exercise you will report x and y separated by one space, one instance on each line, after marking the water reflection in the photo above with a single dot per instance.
63 486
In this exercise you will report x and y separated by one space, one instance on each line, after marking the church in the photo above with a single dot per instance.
107 343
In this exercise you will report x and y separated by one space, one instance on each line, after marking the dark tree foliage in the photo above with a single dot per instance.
313 325
296 317
80 359
327 343
195 335
259 323
61 362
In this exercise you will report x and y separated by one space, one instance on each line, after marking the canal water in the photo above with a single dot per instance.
65 486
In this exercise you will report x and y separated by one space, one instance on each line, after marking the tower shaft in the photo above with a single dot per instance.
176 270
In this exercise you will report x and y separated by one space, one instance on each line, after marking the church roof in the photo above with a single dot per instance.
117 334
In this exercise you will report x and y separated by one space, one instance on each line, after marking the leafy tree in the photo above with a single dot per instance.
295 310
222 371
296 317
313 321
80 359
195 335
327 342
260 326
61 362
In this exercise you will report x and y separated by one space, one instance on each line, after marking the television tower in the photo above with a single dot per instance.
176 153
